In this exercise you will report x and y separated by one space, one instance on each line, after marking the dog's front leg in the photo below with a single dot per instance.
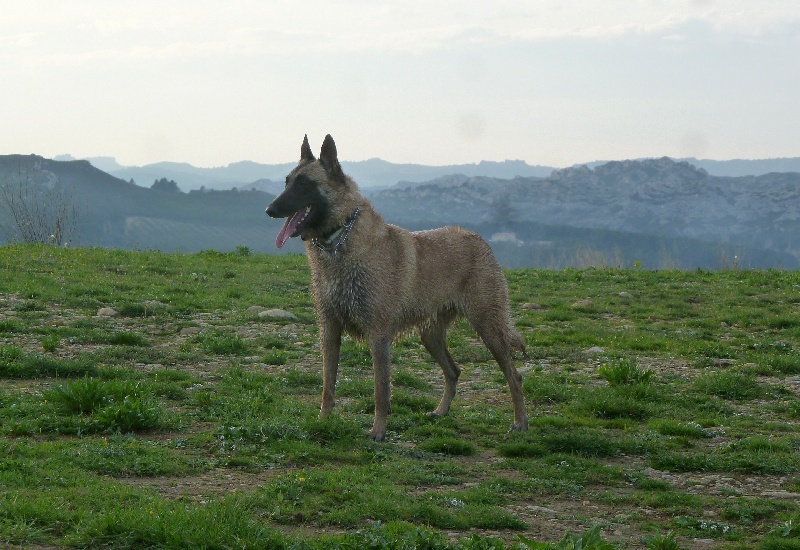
381 350
331 343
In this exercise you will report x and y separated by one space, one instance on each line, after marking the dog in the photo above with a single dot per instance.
374 281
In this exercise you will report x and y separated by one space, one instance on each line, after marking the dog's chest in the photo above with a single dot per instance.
341 291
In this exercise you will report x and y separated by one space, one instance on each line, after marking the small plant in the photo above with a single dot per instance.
298 379
521 449
712 528
114 406
132 414
51 342
662 542
81 396
733 385
590 540
624 372
276 357
126 338
133 310
222 344
681 429
30 305
15 364
790 527
608 403
10 353
448 446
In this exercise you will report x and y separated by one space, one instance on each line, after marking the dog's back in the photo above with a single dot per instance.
456 269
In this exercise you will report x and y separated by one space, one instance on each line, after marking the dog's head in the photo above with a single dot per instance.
315 198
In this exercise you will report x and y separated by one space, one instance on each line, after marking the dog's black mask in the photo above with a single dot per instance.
302 204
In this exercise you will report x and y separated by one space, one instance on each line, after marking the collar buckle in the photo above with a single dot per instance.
333 242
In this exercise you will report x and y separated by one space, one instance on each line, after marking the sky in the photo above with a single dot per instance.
550 82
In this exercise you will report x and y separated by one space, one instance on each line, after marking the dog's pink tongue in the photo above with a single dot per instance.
289 227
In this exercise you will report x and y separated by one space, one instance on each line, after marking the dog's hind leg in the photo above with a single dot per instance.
380 348
500 338
331 343
434 338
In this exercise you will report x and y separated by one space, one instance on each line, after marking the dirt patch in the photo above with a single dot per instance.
219 482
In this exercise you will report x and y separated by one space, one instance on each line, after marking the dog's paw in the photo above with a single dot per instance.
377 437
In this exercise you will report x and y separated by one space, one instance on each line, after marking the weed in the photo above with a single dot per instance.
10 353
130 309
392 535
51 342
521 449
276 357
680 429
408 379
82 396
662 542
114 406
624 372
790 527
448 446
125 338
610 404
221 344
715 529
733 385
24 365
132 414
590 540
580 441
302 380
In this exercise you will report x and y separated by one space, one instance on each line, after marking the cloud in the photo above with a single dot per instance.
506 78
130 29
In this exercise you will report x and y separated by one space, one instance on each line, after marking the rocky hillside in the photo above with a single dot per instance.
657 197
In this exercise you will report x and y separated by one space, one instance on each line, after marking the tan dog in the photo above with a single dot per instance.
375 280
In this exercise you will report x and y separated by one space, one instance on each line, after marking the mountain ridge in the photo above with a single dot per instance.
376 172
659 212
657 197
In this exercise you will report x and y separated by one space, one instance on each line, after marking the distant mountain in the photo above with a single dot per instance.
655 213
741 167
113 212
377 173
754 215
267 186
731 168
368 173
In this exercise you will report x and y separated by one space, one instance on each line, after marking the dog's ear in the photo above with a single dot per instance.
330 160
305 150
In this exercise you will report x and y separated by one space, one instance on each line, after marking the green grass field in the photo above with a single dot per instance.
664 413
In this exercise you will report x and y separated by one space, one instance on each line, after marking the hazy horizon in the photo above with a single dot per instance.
111 159
550 83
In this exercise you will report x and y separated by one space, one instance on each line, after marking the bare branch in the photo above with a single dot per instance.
37 213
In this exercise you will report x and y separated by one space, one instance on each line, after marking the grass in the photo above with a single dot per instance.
670 415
